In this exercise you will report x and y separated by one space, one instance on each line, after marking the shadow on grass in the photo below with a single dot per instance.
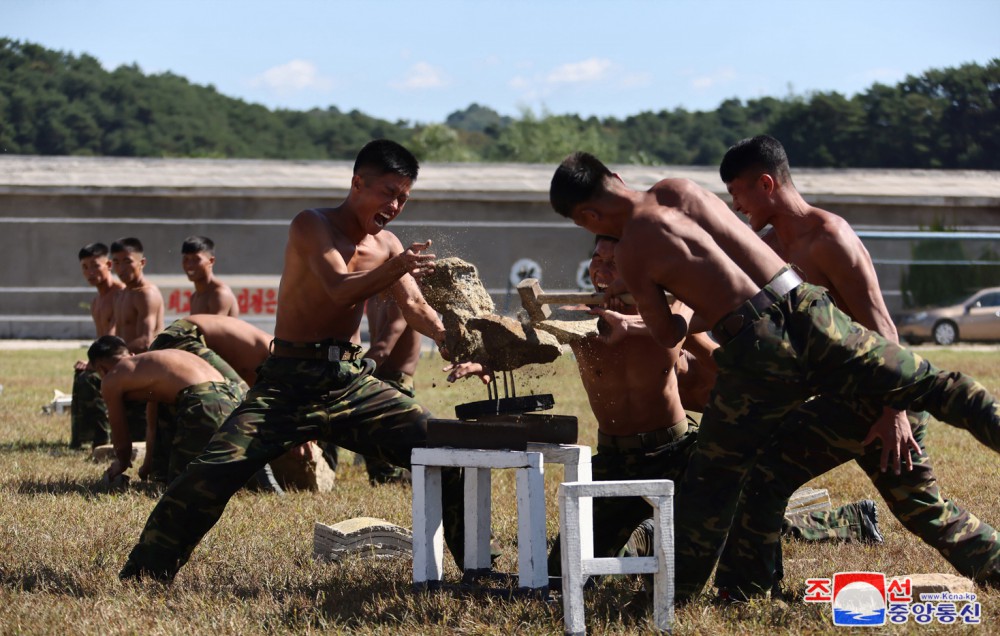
43 579
56 449
88 489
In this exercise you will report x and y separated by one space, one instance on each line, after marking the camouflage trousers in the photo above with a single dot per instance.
801 346
194 418
185 335
379 470
827 432
293 401
89 414
616 518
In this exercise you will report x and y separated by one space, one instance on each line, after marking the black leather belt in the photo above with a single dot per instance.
649 439
328 350
743 316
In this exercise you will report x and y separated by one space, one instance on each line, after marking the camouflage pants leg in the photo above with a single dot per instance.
969 544
800 347
839 525
834 428
200 411
293 401
615 518
380 471
88 412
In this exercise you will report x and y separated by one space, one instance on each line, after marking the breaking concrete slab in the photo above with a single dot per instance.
474 330
454 290
508 345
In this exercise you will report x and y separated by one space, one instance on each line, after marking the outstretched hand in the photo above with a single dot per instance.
613 327
459 370
893 430
414 261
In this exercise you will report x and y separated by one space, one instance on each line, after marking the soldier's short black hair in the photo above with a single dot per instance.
106 347
385 156
93 249
577 179
763 153
197 245
127 244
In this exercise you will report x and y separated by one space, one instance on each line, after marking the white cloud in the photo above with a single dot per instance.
721 76
589 70
421 76
518 83
635 80
297 75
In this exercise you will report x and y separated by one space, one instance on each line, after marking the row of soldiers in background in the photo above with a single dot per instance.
173 387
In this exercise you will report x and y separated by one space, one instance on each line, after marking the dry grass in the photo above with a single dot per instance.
63 539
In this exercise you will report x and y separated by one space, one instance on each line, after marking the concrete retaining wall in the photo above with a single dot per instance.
491 215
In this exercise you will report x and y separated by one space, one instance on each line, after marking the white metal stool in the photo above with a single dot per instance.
576 527
428 536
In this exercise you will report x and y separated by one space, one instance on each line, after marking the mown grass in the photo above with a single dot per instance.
63 538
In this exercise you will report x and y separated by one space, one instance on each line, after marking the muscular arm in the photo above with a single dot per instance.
848 267
666 327
310 236
113 393
418 313
148 307
846 264
152 420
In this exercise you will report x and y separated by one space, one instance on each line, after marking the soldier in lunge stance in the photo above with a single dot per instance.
832 429
315 385
782 340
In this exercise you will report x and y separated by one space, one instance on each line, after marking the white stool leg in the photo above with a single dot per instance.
478 521
533 570
580 470
572 563
663 579
428 527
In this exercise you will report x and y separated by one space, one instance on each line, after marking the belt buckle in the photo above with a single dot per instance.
333 353
733 324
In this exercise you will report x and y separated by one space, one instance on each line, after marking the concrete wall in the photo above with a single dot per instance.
492 216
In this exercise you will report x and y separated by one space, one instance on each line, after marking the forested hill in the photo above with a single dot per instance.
53 103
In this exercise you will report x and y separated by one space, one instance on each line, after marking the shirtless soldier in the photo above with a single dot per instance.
199 396
234 347
633 386
139 307
211 295
315 385
834 430
782 340
88 413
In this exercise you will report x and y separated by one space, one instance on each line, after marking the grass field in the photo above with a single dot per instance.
63 538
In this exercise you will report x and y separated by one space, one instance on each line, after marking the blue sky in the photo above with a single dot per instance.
422 60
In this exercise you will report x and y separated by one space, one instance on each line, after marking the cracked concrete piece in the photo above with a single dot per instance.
454 290
508 345
931 583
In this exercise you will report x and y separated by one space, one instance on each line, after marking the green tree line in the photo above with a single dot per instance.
54 103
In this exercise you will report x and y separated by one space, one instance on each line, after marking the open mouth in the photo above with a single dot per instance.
382 219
